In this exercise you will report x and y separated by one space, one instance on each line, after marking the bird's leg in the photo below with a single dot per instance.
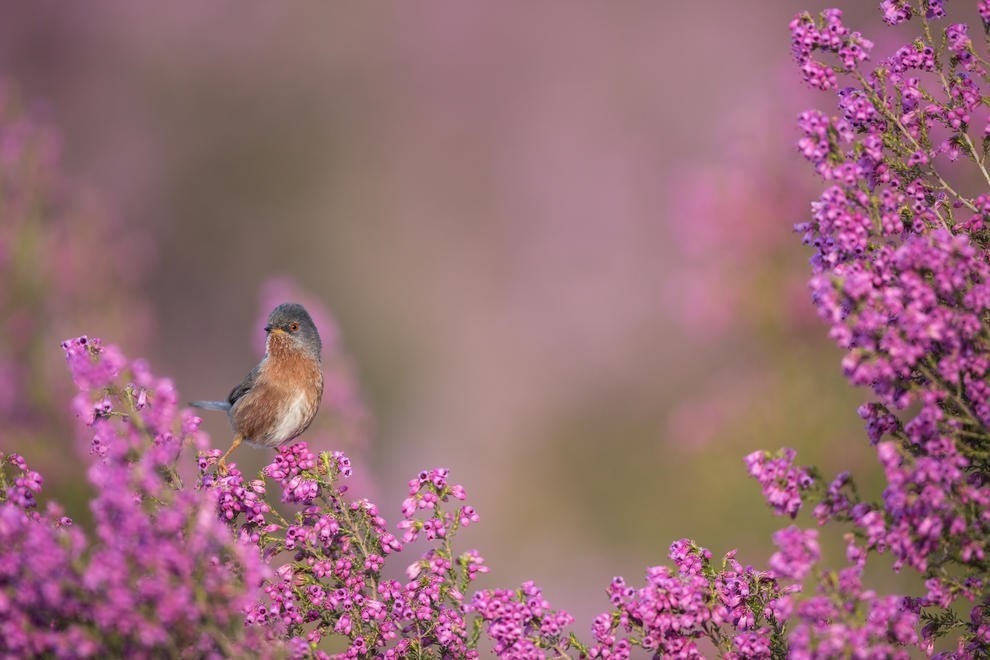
222 463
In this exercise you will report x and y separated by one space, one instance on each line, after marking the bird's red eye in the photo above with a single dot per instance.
294 327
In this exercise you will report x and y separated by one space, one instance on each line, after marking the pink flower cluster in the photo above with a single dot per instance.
521 623
732 607
782 482
159 571
334 584
901 273
831 36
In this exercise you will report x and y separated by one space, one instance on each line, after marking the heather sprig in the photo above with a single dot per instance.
900 272
782 482
522 624
334 586
159 574
843 617
733 607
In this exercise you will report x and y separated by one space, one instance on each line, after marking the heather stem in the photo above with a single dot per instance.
135 419
352 527
889 116
957 398
947 89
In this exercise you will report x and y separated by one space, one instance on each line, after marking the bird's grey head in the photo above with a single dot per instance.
294 322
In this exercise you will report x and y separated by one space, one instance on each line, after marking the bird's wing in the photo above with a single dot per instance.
244 386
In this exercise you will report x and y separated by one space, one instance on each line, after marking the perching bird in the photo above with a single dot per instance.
278 400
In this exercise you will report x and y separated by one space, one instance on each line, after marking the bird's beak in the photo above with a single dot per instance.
278 331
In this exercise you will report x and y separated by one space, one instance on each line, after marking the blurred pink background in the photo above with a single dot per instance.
556 238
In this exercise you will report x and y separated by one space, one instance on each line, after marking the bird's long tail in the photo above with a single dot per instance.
211 405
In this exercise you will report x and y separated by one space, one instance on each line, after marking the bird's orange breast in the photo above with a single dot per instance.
284 399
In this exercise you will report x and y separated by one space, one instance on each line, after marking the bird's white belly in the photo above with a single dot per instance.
292 419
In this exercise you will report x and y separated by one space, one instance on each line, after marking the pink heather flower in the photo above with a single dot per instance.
676 608
290 462
818 75
782 483
91 365
895 11
904 284
160 571
798 552
521 622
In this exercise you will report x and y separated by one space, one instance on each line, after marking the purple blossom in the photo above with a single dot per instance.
521 623
849 617
895 11
159 571
782 483
798 552
677 608
291 462
903 282
837 500
827 35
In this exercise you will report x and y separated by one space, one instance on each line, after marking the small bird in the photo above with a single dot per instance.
278 400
